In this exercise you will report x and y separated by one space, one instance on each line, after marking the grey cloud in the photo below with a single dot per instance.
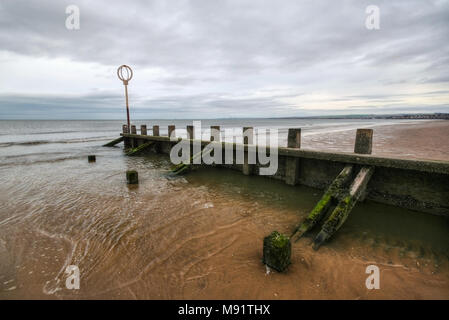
235 48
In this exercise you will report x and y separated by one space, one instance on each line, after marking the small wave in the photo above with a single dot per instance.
39 142
26 163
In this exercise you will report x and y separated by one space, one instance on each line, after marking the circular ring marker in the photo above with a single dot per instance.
124 73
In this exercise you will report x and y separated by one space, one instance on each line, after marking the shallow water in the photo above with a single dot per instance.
197 236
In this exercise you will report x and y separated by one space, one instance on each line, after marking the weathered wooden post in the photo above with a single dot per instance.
248 138
292 163
191 136
215 134
277 250
126 141
156 131
190 132
134 142
143 129
171 130
157 147
132 177
344 206
363 141
91 158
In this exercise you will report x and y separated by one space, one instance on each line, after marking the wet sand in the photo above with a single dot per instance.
200 236
417 140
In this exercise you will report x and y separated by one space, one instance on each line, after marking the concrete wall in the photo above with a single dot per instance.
413 184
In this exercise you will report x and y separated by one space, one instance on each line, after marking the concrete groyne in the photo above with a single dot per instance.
421 185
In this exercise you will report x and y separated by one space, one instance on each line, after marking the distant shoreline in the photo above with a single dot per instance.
416 116
404 116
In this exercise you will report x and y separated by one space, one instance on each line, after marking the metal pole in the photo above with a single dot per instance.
127 107
125 77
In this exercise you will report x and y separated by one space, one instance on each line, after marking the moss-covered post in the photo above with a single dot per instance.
344 207
113 142
320 209
292 163
277 250
248 139
133 129
363 141
143 129
91 158
139 149
132 177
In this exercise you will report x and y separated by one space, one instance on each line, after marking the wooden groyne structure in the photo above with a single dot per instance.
346 178
421 185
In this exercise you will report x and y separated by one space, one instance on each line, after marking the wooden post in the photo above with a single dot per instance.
191 136
215 134
292 163
158 146
132 177
156 131
277 250
140 148
126 141
248 138
91 158
114 142
321 208
190 132
134 142
143 129
171 129
363 141
344 207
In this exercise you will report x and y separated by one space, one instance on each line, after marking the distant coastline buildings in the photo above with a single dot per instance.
435 116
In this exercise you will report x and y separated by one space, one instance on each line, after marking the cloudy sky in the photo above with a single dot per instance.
221 59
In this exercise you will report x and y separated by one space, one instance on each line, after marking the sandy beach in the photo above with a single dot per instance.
426 139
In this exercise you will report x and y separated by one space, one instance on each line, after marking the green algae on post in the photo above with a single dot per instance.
344 207
140 148
277 250
323 205
132 177
114 142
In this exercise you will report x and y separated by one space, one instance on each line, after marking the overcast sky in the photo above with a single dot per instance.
220 59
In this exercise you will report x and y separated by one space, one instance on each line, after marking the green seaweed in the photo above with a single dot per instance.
323 205
138 149
183 167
